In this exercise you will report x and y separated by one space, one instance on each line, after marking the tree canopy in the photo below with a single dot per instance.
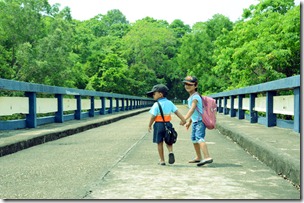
42 44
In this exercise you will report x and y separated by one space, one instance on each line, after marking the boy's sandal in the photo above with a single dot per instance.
194 161
162 163
171 158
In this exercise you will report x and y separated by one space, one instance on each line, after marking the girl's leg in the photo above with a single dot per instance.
197 151
161 151
204 148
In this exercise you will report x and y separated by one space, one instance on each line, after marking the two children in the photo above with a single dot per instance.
159 93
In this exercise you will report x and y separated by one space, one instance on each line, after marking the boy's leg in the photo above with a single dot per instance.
171 155
161 151
170 148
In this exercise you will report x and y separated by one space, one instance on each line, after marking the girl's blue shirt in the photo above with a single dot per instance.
196 116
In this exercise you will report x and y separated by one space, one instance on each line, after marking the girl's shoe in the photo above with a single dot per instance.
194 161
162 163
203 162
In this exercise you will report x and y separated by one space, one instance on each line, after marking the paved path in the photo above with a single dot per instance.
119 161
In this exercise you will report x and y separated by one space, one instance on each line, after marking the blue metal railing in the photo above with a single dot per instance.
268 88
31 90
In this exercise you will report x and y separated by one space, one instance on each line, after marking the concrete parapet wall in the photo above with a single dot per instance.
266 145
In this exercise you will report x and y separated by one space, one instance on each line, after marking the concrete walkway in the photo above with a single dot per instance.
235 174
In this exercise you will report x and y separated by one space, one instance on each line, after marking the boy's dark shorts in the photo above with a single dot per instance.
159 131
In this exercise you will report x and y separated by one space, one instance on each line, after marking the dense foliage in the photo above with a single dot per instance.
42 44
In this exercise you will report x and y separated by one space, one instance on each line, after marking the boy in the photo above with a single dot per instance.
159 93
198 127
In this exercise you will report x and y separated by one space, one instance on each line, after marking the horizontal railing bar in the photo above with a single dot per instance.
47 89
281 84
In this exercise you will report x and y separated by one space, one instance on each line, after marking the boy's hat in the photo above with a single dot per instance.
190 80
158 88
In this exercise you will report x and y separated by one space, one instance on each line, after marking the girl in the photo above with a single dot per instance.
198 127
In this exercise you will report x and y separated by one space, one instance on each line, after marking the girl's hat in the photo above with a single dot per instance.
190 80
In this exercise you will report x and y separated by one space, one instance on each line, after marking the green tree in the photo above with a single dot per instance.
149 46
21 22
262 47
114 23
49 60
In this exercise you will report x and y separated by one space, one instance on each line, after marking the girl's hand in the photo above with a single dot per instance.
149 129
188 125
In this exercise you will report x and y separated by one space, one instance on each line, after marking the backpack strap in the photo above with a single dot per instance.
200 113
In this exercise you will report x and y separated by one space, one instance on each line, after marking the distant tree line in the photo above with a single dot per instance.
40 43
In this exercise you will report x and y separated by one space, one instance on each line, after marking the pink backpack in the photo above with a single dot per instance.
209 115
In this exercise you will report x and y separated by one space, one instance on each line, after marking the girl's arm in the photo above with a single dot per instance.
191 110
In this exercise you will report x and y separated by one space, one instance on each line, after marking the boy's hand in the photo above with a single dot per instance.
182 123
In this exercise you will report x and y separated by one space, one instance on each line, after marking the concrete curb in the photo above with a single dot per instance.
36 137
282 163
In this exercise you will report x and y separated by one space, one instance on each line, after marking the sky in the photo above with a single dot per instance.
188 11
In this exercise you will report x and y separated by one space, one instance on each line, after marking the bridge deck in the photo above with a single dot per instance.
120 161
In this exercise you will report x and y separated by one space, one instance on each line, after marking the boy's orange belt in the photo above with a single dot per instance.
159 118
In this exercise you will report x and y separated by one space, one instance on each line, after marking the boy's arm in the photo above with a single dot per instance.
150 123
181 117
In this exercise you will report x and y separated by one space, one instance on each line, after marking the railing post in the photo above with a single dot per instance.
144 103
103 106
225 106
130 106
122 104
31 117
232 110
59 113
241 112
110 110
253 113
220 108
139 103
127 104
92 110
78 110
297 110
271 118
117 105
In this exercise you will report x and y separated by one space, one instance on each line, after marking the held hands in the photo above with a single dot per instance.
188 125
182 122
